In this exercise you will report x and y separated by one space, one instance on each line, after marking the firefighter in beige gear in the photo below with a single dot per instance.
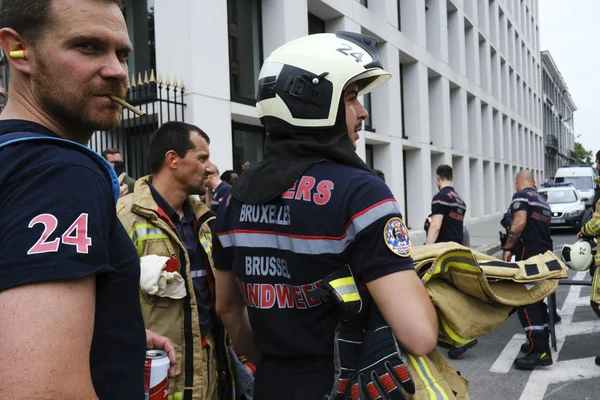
592 229
171 232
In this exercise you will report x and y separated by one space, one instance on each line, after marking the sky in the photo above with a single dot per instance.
570 30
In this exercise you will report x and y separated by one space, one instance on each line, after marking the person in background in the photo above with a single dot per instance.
380 174
164 219
529 235
592 229
230 177
447 210
218 188
114 157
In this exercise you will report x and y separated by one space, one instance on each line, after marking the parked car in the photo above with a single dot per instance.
566 204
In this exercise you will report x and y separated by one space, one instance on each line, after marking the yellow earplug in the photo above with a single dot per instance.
22 54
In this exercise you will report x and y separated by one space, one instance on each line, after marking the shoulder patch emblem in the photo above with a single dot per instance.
396 238
516 204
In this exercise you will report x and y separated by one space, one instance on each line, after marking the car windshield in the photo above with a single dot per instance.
580 182
560 196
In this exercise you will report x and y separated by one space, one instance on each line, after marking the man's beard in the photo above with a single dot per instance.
200 190
75 113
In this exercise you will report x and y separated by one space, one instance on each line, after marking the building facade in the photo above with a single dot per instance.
558 113
465 87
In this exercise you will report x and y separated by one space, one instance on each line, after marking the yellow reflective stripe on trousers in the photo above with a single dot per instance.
346 288
142 232
433 387
176 396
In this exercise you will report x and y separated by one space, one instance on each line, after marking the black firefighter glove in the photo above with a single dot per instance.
340 288
381 373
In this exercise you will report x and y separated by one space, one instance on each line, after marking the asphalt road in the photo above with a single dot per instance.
573 376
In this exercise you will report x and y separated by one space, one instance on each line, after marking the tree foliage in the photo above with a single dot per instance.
582 156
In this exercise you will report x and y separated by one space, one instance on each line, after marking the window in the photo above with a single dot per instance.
399 16
248 144
3 75
404 135
369 155
315 24
139 16
245 48
369 120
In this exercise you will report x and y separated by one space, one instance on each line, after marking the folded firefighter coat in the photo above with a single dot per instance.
473 293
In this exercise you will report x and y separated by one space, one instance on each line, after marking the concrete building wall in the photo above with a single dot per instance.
465 88
558 118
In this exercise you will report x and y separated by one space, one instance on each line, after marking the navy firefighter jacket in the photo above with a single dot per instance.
334 215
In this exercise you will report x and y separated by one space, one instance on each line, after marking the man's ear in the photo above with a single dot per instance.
12 42
172 159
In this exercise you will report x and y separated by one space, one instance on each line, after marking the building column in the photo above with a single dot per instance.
477 189
439 112
418 183
416 104
283 21
181 51
413 21
437 31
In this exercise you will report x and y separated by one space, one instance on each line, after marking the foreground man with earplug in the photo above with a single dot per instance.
69 275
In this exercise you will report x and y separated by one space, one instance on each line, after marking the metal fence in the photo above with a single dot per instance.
552 142
161 101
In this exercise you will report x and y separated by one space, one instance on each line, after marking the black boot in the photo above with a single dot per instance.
525 347
537 353
457 352
533 360
598 360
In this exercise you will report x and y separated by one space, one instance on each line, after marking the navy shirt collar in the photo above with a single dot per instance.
17 125
188 213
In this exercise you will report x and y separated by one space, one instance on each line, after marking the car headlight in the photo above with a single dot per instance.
575 213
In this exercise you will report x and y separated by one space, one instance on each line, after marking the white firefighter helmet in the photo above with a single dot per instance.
301 83
578 256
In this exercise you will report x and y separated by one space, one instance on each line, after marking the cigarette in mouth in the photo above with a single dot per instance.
128 106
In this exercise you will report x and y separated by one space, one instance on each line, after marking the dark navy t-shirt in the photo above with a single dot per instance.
59 222
536 236
449 204
333 216
219 194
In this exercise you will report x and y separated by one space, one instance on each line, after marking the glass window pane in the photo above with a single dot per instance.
369 155
245 52
248 145
315 24
369 120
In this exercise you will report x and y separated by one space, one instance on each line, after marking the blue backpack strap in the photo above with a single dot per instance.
18 137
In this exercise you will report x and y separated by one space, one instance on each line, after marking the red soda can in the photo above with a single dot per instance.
156 382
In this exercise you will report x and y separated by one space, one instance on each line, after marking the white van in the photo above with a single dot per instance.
582 177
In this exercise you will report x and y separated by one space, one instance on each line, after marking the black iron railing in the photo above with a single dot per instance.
161 101
552 142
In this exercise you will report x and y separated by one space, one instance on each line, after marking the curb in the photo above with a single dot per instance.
489 250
